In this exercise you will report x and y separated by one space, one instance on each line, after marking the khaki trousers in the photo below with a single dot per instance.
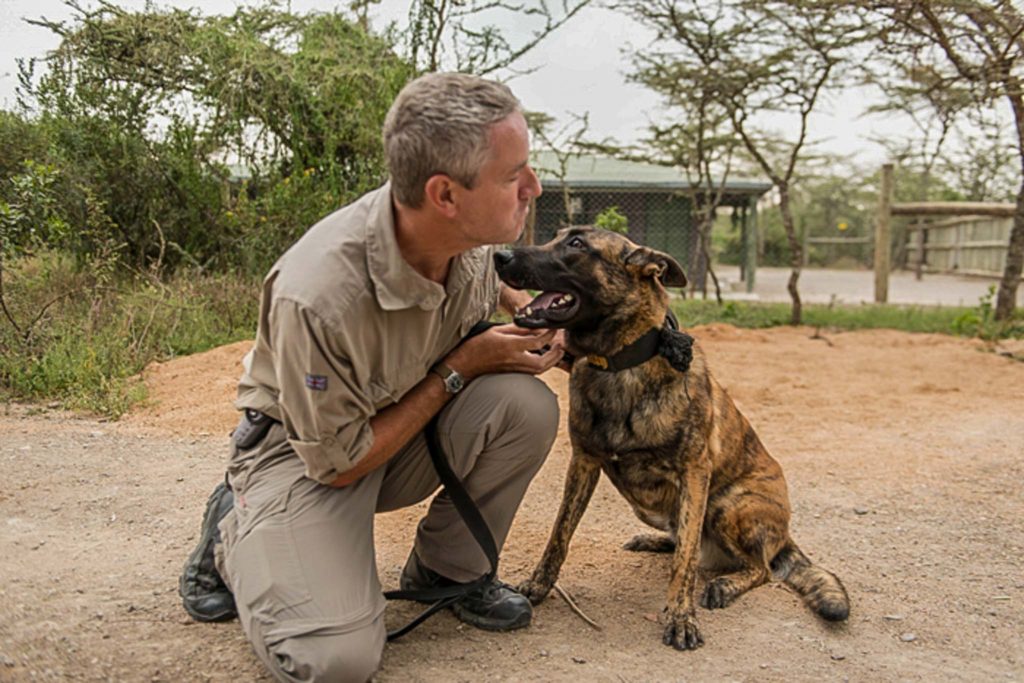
299 555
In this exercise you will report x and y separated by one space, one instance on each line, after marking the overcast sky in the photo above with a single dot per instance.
581 68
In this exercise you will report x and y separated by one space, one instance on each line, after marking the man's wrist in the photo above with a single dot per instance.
451 378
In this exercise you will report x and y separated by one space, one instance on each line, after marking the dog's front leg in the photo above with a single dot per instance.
580 482
682 632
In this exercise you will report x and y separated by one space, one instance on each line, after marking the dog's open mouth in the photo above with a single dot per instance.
547 310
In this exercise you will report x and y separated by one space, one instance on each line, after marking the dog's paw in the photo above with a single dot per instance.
534 591
651 543
717 594
682 633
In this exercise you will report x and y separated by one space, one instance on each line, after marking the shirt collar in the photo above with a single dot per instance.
397 285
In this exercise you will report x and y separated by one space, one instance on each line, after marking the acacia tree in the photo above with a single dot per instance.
977 44
931 106
564 144
461 35
983 166
700 141
768 58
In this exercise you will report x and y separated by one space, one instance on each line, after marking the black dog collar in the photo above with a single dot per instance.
642 350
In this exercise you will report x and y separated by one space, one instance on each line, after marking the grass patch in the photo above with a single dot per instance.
956 320
82 338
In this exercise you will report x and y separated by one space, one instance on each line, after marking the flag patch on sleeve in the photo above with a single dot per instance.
316 382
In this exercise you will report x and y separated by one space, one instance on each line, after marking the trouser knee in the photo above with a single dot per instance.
533 410
351 657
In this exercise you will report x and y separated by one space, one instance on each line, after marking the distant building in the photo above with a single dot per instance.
654 199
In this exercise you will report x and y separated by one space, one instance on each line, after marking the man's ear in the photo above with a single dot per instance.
438 194
657 264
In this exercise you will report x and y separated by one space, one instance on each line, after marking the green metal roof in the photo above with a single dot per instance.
601 172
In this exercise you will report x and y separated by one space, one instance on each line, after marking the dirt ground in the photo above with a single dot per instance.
905 461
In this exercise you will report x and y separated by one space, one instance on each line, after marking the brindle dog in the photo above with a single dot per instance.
664 431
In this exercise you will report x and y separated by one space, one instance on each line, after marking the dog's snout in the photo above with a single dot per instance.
503 257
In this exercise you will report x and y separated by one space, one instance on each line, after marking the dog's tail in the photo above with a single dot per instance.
821 590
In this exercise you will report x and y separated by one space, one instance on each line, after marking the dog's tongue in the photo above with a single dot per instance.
545 300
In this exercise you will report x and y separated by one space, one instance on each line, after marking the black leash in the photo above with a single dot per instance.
446 596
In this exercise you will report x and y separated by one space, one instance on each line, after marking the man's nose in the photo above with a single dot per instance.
532 187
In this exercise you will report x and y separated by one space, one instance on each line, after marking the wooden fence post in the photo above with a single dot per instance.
883 248
751 245
922 237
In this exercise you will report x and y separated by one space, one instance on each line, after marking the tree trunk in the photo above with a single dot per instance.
3 302
796 256
700 262
1006 299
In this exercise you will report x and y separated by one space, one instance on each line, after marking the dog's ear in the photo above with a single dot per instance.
653 263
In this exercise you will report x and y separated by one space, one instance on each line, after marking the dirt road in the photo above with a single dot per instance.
905 460
822 285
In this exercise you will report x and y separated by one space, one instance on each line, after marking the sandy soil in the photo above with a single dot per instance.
904 455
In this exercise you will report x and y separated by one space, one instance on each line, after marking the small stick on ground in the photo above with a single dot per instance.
575 608
817 335
817 330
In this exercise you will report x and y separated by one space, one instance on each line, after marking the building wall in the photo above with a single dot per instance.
660 220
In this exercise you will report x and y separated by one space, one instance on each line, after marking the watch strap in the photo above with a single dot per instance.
448 375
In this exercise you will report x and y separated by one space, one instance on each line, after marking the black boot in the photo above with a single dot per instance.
202 590
495 606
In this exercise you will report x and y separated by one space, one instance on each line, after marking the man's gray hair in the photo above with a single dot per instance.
439 124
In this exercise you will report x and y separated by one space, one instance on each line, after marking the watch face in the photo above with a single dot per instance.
454 382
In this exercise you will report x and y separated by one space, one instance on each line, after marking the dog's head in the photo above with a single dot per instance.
589 276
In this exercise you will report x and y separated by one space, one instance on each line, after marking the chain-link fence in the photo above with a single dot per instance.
660 219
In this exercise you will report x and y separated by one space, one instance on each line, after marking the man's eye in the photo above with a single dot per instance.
576 242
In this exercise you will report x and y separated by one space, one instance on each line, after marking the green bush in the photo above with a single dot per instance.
981 321
81 340
612 219
136 114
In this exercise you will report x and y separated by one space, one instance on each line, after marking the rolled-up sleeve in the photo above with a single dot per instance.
325 412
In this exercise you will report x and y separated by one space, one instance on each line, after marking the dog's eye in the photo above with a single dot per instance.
576 242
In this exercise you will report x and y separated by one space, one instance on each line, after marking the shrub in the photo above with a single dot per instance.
82 338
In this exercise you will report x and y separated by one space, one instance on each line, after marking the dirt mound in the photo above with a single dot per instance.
193 394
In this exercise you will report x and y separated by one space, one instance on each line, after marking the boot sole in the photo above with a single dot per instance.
488 624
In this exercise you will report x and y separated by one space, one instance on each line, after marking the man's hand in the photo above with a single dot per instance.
506 348
567 358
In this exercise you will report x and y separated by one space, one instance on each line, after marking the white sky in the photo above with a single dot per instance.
581 68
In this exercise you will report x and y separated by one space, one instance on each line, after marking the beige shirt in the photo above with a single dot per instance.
347 327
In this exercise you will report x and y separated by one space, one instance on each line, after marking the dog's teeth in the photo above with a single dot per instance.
567 298
528 310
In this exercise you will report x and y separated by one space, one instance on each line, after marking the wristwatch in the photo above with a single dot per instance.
453 381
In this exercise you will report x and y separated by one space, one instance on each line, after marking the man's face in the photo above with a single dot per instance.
494 210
